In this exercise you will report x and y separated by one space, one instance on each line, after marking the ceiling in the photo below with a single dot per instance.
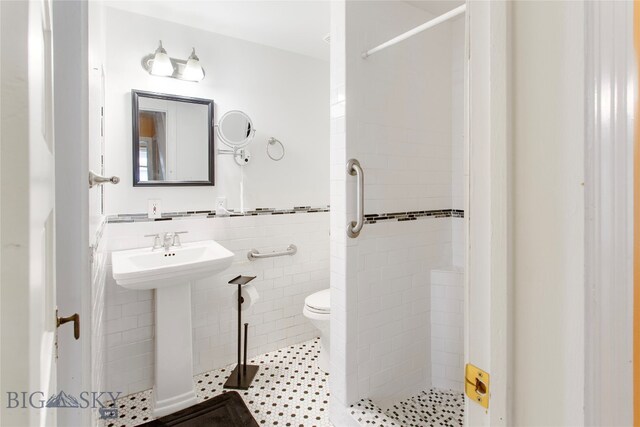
436 7
268 22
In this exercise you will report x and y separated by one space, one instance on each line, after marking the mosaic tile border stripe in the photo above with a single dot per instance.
168 216
368 218
413 215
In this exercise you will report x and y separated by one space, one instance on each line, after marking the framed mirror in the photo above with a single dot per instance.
172 140
235 129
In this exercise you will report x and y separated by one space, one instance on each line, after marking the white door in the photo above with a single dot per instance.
487 304
72 202
28 226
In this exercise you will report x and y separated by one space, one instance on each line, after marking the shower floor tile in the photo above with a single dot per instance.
289 390
434 408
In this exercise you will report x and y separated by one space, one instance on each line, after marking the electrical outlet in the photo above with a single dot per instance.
221 206
154 209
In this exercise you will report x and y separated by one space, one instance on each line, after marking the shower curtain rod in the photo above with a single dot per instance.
432 23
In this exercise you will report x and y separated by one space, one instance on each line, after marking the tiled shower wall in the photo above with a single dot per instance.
457 139
392 112
394 264
447 328
275 321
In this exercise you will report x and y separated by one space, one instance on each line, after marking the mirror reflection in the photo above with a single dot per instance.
172 140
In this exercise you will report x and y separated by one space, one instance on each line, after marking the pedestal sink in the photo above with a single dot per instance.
170 273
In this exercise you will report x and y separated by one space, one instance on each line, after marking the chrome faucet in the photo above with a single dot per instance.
168 240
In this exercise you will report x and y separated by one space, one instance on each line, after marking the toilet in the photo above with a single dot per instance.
317 309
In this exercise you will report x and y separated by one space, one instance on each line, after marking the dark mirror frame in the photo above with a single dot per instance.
135 95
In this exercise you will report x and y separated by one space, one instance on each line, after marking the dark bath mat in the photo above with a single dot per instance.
226 410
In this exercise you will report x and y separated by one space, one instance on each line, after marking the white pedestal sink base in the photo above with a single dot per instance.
170 273
174 389
169 406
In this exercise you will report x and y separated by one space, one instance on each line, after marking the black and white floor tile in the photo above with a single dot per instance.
435 408
289 390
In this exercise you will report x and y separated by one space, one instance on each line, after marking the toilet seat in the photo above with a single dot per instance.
319 302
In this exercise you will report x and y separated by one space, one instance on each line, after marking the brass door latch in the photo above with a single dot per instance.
476 385
75 318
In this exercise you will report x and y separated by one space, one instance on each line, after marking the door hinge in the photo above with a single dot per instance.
476 385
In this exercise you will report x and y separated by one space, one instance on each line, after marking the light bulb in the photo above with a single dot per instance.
162 65
193 70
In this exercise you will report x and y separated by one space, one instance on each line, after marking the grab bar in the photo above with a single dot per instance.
254 254
354 169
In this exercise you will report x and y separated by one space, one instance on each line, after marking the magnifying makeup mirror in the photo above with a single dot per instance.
235 129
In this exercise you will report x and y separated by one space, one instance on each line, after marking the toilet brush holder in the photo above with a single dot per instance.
243 374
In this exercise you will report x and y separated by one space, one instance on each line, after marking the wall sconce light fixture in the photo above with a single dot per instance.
161 64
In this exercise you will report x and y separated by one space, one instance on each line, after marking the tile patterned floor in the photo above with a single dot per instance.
434 408
289 390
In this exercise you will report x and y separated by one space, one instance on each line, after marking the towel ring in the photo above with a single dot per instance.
273 141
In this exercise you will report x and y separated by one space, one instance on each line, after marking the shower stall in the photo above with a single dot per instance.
397 325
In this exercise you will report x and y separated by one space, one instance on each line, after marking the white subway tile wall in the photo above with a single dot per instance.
275 321
458 239
447 328
457 113
458 176
458 165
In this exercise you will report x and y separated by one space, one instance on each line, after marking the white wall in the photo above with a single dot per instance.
285 94
611 114
391 111
548 192
276 320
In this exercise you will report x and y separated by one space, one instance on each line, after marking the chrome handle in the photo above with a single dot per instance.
98 180
254 254
176 237
156 240
354 169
